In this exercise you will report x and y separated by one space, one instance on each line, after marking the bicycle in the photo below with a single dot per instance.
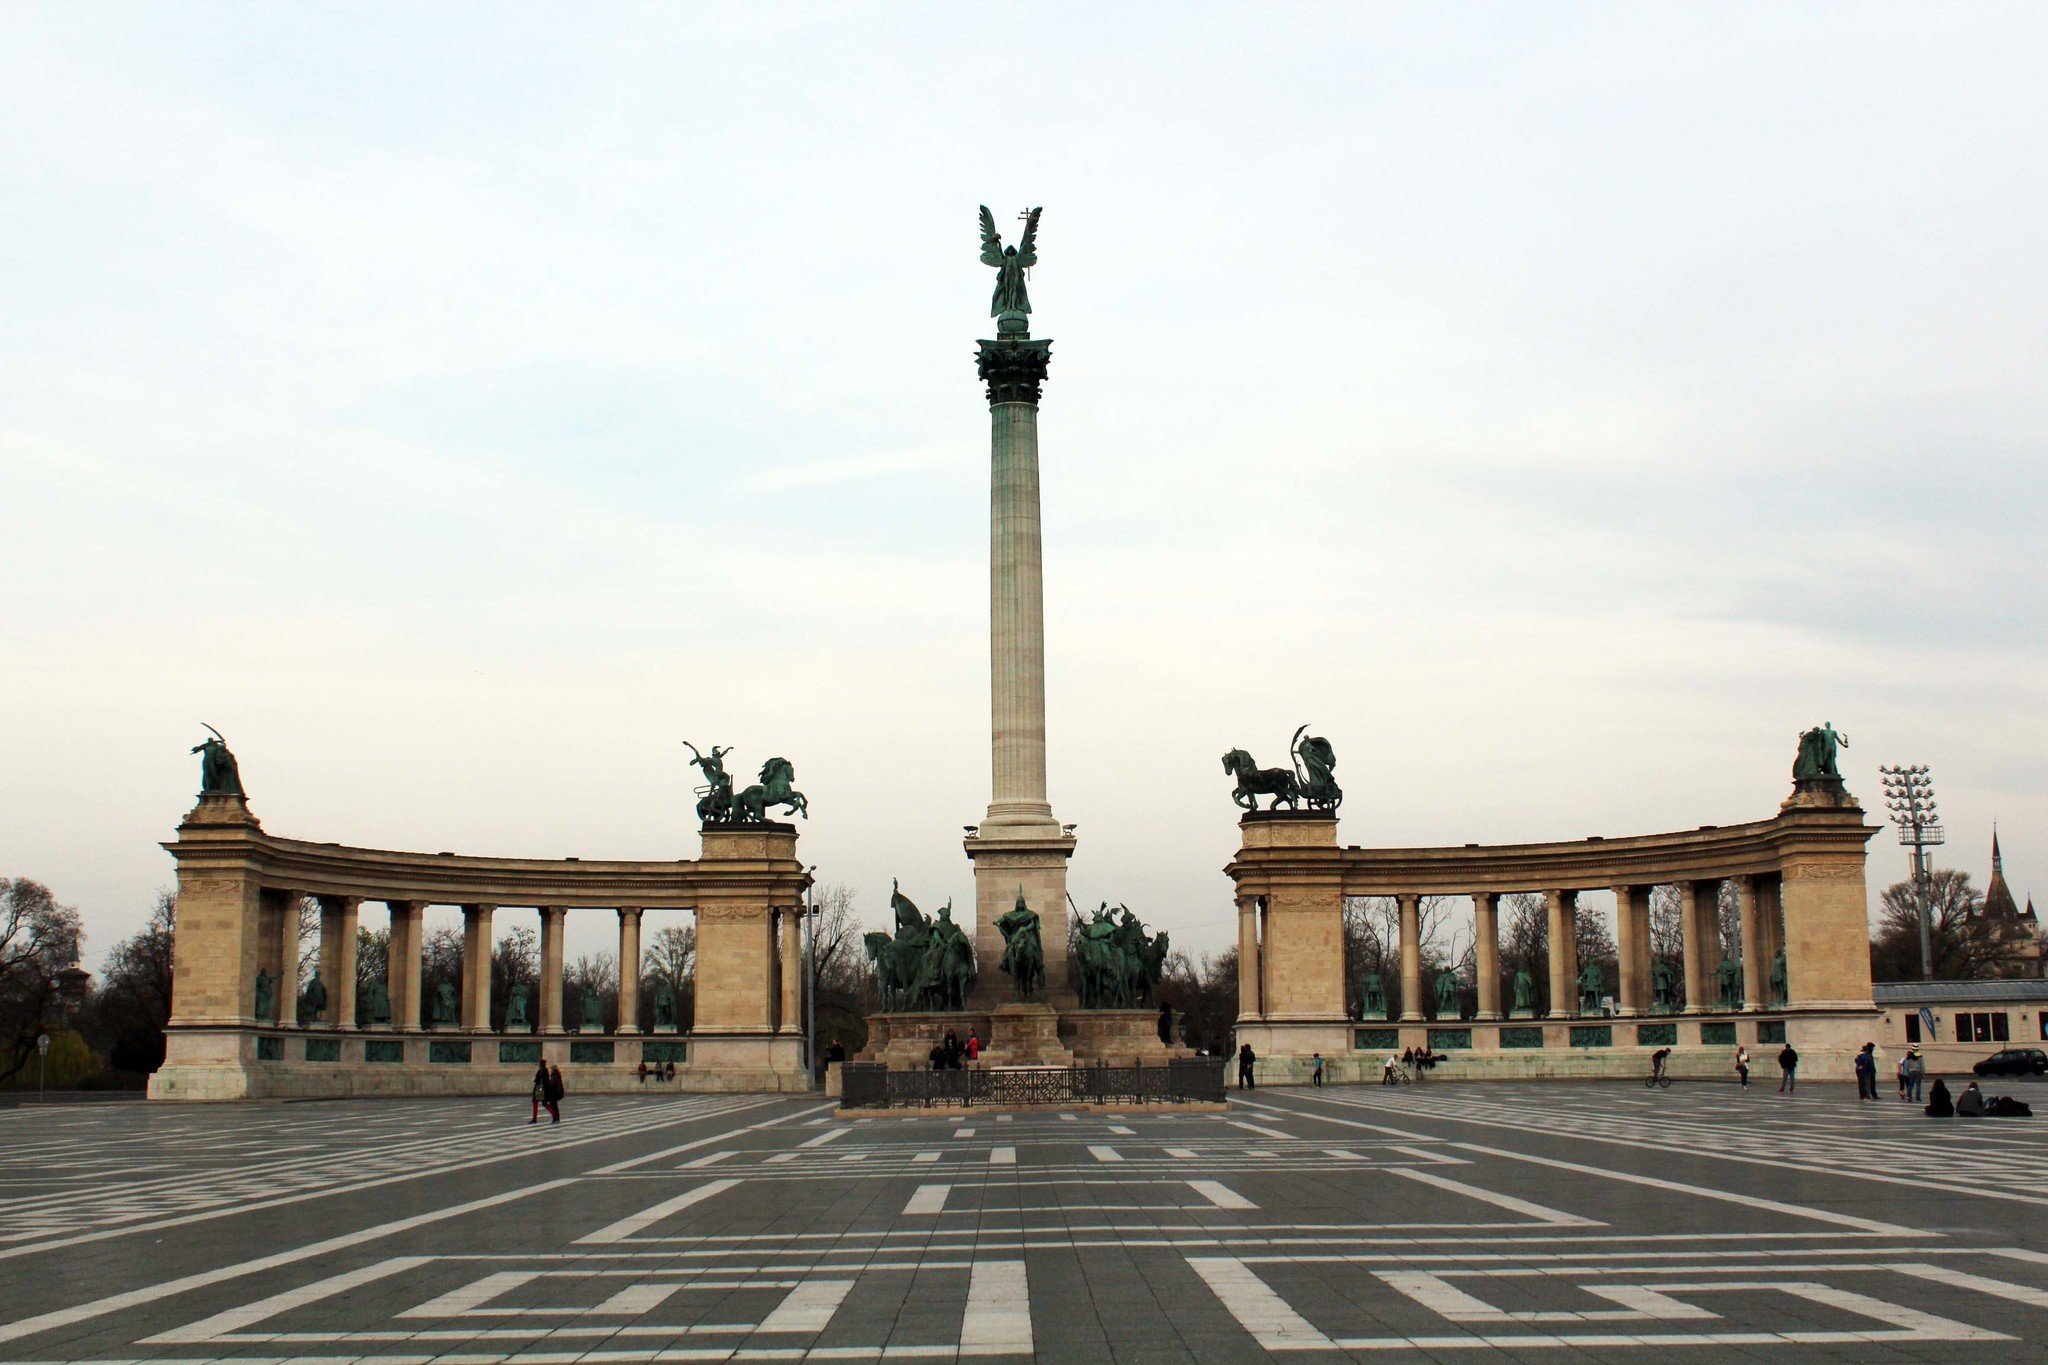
1400 1076
1659 1077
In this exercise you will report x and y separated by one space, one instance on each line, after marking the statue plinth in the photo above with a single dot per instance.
667 1030
1821 793
1025 1033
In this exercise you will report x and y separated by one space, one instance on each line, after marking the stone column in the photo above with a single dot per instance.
1755 968
476 968
551 918
402 963
792 970
1486 931
286 919
1411 957
338 958
1019 847
1631 935
1563 908
1771 921
1250 1000
629 970
1696 910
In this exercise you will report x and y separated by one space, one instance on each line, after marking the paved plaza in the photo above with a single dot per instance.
1442 1221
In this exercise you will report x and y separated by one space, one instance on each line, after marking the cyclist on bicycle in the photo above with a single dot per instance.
1657 1063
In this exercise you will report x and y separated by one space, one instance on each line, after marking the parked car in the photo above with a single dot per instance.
2014 1061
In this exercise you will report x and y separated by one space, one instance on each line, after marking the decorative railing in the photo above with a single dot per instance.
1183 1080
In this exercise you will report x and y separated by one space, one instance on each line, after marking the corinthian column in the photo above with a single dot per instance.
1019 847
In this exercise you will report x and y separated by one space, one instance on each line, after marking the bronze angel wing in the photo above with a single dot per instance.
991 241
1027 248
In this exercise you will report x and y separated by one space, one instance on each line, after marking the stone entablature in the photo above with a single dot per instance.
237 888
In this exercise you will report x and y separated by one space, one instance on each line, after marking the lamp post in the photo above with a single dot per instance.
1909 796
810 972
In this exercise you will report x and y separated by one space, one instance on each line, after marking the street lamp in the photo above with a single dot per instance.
1909 796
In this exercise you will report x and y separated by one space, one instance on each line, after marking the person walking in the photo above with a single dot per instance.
554 1090
1916 1074
1742 1065
1788 1066
1866 1073
540 1092
1245 1058
1318 1077
1905 1081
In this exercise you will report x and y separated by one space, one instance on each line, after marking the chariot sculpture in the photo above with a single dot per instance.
1311 782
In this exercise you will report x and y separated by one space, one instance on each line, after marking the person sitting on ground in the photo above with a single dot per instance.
1939 1105
668 1070
2006 1107
1970 1104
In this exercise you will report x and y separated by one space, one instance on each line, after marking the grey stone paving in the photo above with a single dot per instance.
1492 1222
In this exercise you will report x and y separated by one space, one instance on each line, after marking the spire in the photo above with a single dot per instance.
1998 901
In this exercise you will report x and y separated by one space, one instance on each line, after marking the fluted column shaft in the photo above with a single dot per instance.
792 969
629 970
338 919
287 959
1697 906
1016 618
1755 967
551 918
1411 957
476 967
1563 908
1631 939
1486 932
1250 999
402 963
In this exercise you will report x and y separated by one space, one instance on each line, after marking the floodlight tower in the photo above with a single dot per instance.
1909 795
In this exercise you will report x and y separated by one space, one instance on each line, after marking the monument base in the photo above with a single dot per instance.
1023 1034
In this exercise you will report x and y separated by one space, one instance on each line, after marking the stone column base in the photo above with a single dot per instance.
746 1061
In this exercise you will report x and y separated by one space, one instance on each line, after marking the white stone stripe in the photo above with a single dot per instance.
1105 1154
963 1132
779 1158
928 1199
646 1218
924 1158
115 1303
1261 1312
1255 1128
474 1295
1122 1131
1220 1194
1542 1214
998 1314
809 1307
830 1135
1340 1152
1181 1154
711 1160
1983 1284
249 1314
1435 1158
1726 1196
1002 1156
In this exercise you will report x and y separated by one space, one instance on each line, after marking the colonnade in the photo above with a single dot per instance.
239 891
1796 879
337 967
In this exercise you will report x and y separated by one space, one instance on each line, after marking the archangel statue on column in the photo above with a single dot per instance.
1011 305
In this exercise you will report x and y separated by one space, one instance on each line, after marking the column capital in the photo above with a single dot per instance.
1014 368
625 912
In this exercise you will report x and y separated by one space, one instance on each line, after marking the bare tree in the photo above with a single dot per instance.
1667 940
598 972
440 960
1967 944
1204 993
38 939
670 960
515 961
1372 944
134 1001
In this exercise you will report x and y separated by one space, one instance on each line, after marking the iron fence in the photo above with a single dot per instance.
870 1085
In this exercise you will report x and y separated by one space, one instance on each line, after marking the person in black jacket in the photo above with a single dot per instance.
1788 1064
555 1091
1245 1058
540 1091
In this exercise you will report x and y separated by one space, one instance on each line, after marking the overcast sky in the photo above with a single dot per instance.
1558 407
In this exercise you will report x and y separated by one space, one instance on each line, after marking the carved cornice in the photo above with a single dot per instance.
1014 370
